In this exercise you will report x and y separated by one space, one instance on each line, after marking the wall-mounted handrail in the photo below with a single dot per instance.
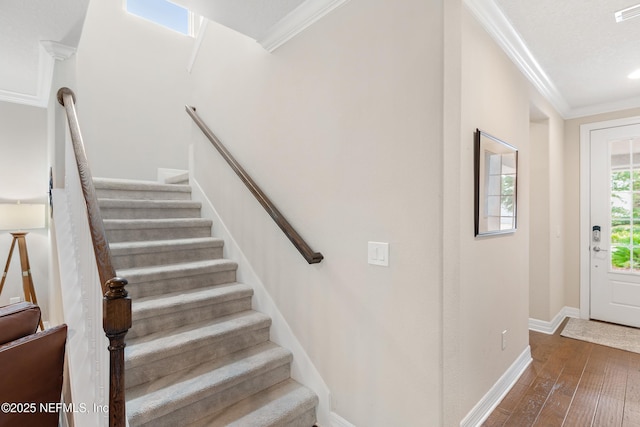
297 240
116 308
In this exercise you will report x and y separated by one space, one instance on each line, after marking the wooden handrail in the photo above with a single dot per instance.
116 305
295 238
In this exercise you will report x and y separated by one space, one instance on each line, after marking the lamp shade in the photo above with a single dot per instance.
21 217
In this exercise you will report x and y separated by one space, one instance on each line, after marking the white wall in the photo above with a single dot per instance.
360 129
24 176
505 279
131 91
342 127
557 226
547 288
539 241
494 271
57 127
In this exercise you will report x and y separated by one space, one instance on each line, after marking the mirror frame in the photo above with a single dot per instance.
489 152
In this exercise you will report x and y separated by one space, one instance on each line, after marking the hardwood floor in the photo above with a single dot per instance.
574 384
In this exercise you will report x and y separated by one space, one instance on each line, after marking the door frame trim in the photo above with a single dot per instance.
585 205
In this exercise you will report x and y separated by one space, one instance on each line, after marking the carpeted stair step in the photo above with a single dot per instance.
163 252
197 354
130 230
151 357
148 209
186 396
182 178
148 281
108 188
173 310
286 404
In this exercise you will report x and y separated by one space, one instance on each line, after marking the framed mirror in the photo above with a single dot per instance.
496 178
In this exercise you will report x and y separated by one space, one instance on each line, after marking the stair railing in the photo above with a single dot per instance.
116 305
295 238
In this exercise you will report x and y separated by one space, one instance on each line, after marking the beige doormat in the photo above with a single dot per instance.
616 336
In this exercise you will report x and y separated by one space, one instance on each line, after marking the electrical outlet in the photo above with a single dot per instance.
504 339
14 300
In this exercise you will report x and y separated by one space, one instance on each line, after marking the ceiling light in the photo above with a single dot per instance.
635 74
628 13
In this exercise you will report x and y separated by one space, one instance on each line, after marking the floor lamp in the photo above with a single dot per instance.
21 217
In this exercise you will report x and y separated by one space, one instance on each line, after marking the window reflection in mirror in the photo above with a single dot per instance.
496 185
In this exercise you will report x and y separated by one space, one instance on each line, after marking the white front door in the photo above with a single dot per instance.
615 225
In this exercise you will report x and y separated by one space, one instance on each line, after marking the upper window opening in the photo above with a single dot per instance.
163 12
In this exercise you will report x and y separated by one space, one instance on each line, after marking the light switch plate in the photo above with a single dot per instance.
378 253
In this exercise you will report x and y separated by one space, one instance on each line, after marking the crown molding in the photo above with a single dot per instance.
57 50
498 26
49 52
21 98
297 21
608 107
43 85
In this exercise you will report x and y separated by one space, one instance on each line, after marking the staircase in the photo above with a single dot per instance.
197 354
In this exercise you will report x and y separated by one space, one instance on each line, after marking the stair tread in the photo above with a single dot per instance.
268 408
147 203
157 304
110 224
130 184
118 248
162 344
161 396
201 349
178 270
176 179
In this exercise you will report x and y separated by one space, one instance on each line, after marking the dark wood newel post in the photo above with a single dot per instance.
116 321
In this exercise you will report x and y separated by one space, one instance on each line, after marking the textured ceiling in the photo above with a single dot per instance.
581 48
583 54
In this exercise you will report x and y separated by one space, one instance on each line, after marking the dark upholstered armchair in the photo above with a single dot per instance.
31 368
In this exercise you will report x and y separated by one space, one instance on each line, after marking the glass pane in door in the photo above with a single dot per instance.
625 205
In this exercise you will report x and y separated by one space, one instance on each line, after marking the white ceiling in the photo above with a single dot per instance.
25 59
253 18
572 50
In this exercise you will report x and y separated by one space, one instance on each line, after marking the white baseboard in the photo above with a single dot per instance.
488 403
338 421
550 327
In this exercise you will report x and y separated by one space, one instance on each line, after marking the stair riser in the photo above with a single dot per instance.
218 401
177 180
148 234
304 420
165 257
104 193
139 287
201 352
287 404
184 340
148 213
185 316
